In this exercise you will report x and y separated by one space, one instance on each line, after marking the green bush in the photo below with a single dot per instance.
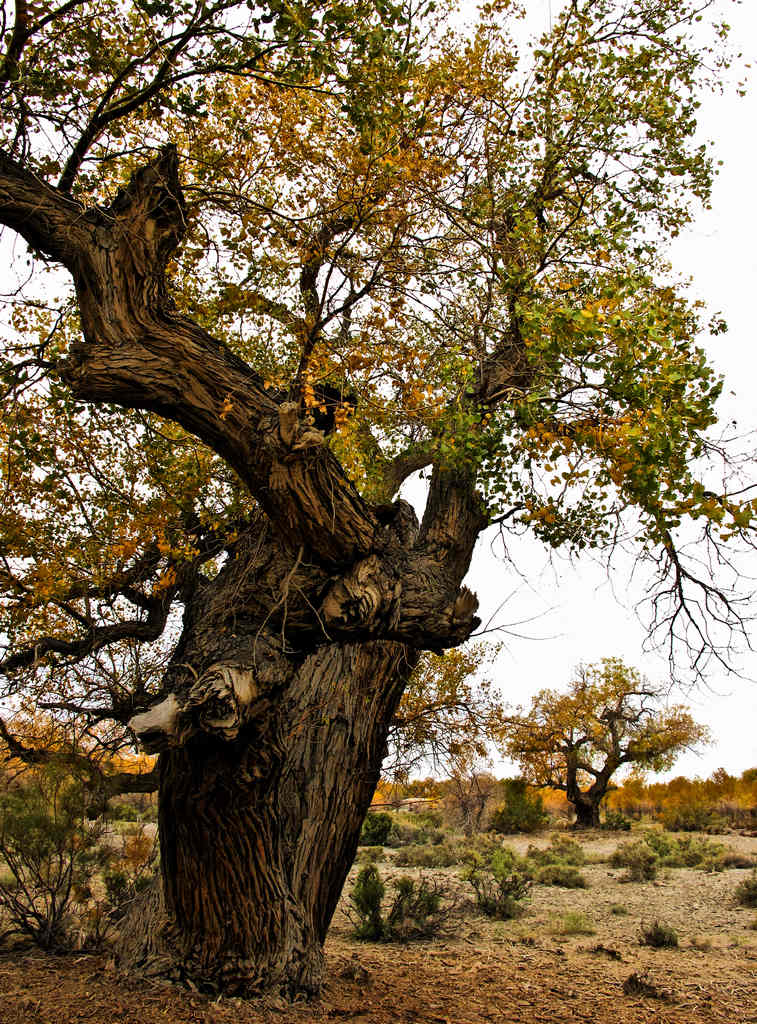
638 858
366 897
745 892
658 935
376 829
150 813
692 818
564 875
123 812
427 856
52 853
686 851
616 821
416 910
499 884
522 811
561 850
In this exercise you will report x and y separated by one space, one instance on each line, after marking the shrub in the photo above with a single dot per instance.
416 910
686 851
618 909
376 829
132 872
639 860
522 811
561 874
737 860
658 935
616 821
51 851
370 854
427 857
123 812
745 892
561 850
499 885
366 897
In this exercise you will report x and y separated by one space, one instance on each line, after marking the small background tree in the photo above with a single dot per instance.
610 716
521 811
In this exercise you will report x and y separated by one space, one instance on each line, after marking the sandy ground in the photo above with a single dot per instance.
515 971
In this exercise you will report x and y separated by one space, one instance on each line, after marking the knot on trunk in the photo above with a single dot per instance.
296 435
219 704
364 598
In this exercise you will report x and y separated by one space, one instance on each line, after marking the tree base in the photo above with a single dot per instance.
146 947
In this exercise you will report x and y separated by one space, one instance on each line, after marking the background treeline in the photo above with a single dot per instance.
719 802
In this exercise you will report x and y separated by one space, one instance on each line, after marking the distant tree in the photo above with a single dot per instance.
610 716
469 790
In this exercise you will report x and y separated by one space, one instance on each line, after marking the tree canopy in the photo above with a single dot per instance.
459 264
610 716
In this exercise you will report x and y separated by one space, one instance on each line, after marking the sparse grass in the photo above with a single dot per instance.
619 910
427 856
658 935
701 943
574 923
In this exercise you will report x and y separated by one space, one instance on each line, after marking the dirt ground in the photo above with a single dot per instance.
515 971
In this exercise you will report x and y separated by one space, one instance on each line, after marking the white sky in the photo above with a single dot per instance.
583 616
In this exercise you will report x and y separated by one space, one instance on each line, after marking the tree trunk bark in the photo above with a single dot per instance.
587 814
258 834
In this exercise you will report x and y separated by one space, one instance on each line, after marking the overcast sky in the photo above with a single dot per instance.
581 615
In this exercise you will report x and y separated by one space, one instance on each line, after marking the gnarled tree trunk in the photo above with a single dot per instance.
258 833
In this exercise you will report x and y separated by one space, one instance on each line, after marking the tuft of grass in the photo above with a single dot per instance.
564 875
574 923
618 909
702 943
745 892
658 935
